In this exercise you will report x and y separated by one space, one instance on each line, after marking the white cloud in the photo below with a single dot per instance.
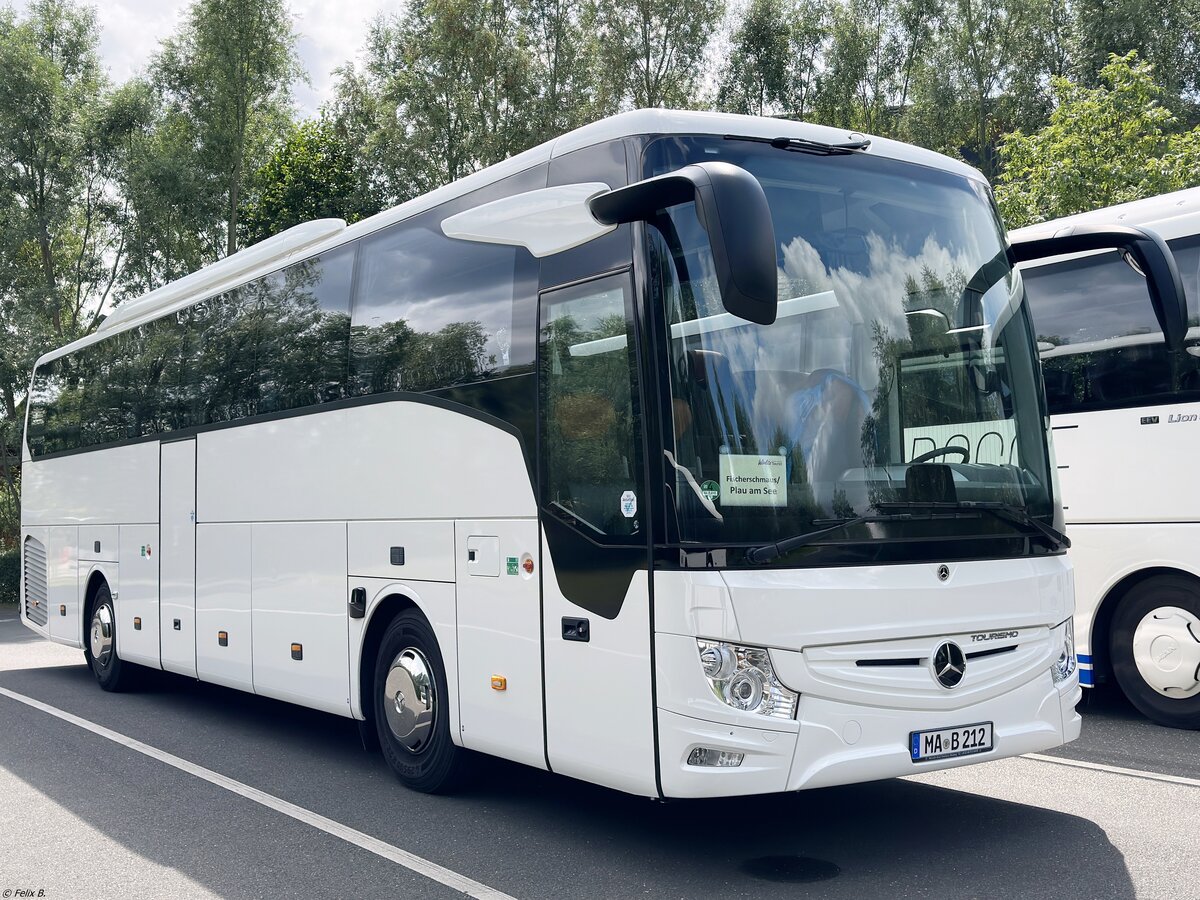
329 34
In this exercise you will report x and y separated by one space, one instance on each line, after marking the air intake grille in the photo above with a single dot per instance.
37 598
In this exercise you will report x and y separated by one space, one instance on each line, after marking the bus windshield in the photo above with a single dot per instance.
897 388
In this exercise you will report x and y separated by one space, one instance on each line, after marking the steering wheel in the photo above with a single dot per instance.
942 451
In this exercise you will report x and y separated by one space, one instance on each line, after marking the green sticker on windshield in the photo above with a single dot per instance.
711 491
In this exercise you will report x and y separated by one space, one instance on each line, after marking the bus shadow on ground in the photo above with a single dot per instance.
534 834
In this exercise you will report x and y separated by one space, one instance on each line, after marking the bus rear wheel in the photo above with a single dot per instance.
100 647
1155 647
411 707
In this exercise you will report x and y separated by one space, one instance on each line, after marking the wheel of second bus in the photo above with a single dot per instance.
411 707
1155 647
100 645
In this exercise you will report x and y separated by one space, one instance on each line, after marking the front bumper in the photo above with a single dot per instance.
837 742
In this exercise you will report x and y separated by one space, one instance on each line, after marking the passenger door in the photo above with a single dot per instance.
595 585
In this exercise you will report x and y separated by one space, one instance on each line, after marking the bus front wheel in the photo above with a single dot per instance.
411 707
100 646
1155 647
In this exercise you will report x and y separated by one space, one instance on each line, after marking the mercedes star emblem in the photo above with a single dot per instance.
949 664
943 572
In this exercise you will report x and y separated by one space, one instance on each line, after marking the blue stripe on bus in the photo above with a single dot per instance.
1085 677
1084 658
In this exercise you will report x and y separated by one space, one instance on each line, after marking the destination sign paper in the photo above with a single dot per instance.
753 480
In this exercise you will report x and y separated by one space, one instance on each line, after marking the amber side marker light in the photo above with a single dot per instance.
137 623
499 683
223 638
297 651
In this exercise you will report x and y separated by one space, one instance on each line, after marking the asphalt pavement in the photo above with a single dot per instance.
191 790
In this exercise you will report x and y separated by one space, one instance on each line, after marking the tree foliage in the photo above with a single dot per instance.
226 79
1102 146
314 173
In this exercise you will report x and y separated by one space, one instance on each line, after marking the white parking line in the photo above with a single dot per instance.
1115 770
411 861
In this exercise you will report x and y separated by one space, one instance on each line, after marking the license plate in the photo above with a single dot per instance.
945 743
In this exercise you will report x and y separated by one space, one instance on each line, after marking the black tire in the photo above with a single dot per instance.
424 759
100 645
1142 599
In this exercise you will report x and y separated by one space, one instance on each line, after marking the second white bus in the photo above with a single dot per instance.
1126 418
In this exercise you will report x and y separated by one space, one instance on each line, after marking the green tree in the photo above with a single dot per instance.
1166 35
1103 145
228 75
172 212
563 64
653 50
61 248
446 90
773 60
313 173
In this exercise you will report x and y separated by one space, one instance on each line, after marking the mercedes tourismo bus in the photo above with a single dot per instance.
1126 418
607 459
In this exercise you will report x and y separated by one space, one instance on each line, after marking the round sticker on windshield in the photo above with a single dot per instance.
629 504
711 491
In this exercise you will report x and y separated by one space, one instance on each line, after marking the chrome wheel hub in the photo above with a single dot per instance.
101 640
1166 648
410 699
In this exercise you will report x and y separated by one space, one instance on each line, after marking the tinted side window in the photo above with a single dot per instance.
430 312
304 339
1099 341
591 428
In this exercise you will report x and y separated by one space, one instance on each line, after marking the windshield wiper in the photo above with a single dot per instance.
806 145
771 551
1014 515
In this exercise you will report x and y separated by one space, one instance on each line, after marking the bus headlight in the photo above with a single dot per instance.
1063 640
742 677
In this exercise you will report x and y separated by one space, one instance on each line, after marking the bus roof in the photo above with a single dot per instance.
311 238
1171 215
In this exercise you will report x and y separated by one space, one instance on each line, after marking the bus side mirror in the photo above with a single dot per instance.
1151 254
733 209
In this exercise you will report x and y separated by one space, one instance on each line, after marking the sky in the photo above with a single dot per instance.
329 32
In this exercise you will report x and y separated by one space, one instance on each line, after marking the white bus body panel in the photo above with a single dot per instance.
298 597
428 548
499 634
176 554
117 486
379 461
62 570
136 606
798 608
99 543
224 571
1112 467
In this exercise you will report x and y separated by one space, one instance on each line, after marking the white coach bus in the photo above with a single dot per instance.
1126 415
603 459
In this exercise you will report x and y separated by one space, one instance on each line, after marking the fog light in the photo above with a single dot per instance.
721 759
